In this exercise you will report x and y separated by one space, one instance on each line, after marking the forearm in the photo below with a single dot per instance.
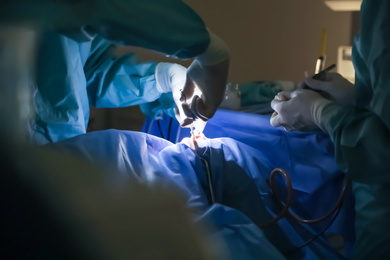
361 141
123 85
118 81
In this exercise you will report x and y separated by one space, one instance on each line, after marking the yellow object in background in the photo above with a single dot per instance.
320 65
324 41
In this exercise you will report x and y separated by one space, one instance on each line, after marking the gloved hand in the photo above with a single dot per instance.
335 87
209 71
298 110
171 77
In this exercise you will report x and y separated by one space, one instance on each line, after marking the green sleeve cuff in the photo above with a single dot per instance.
328 111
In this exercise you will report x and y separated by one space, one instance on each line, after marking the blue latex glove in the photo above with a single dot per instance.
298 110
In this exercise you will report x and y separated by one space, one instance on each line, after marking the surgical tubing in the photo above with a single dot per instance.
285 206
209 180
289 198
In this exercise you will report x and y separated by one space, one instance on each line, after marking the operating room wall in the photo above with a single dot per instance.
268 39
273 39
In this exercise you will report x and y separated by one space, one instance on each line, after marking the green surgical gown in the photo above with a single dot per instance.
76 66
167 26
361 133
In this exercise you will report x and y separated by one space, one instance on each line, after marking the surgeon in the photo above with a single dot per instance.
76 67
357 118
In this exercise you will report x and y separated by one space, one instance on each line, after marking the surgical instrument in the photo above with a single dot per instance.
321 75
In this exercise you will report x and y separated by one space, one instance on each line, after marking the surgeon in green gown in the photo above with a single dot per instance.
357 118
76 66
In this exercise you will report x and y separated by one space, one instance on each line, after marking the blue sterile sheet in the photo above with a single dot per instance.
226 182
308 157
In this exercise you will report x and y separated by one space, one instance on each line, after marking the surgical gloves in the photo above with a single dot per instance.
208 72
298 110
302 109
336 87
171 77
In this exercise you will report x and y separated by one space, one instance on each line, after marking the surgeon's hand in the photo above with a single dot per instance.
298 110
171 77
209 72
211 80
335 87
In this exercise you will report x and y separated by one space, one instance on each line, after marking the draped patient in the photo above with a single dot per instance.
221 180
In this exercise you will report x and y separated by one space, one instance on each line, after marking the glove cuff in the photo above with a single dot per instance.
162 77
316 112
216 52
